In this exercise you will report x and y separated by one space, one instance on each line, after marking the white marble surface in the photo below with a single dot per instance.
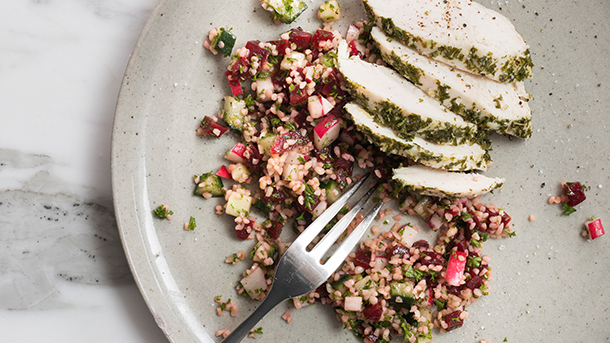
63 273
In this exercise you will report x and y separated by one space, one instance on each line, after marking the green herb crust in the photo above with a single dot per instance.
451 99
503 68
408 148
409 125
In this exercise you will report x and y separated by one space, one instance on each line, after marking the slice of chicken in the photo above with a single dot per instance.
462 33
444 156
442 183
501 107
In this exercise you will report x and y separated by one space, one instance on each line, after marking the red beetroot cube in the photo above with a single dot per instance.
575 192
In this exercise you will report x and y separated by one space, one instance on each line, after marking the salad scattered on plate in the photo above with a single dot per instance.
412 94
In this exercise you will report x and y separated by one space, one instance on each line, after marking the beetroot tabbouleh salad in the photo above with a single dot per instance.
297 152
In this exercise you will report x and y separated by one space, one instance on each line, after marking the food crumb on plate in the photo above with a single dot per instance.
531 218
287 317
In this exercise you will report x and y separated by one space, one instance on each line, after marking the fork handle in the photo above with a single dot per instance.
242 330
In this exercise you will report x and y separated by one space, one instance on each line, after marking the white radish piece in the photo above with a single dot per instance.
318 106
455 268
255 284
353 304
326 132
236 154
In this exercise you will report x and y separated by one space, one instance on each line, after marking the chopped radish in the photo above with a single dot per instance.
235 86
455 268
224 172
236 154
347 137
435 222
408 234
255 284
318 106
595 228
352 33
353 304
326 132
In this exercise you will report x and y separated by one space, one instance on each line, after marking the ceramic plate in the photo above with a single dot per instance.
550 284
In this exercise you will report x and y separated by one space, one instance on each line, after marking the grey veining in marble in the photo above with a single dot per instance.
51 232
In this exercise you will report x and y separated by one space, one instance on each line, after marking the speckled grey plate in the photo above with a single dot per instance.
550 284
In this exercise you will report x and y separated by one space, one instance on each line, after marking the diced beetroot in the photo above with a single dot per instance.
224 172
373 312
252 157
298 97
428 258
453 320
256 50
595 228
363 258
236 154
331 86
278 144
322 291
422 244
275 230
236 89
455 267
209 127
281 46
302 39
399 250
575 192
474 282
240 69
242 235
320 36
352 49
326 132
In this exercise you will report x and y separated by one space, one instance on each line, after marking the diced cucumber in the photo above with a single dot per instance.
232 113
209 183
339 285
333 191
329 11
285 11
401 295
238 204
240 173
224 41
267 142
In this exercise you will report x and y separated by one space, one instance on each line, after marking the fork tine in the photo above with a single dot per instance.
331 237
348 244
314 228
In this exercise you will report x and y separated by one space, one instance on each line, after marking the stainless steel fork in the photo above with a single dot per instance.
299 271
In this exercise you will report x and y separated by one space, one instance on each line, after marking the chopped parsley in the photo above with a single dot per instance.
192 224
163 212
